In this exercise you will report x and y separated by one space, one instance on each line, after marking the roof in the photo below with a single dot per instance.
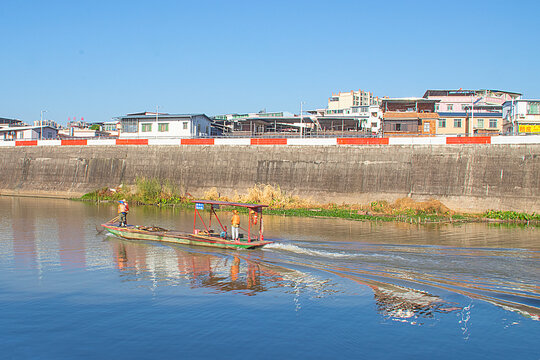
9 121
228 203
28 127
461 92
521 100
160 116
409 99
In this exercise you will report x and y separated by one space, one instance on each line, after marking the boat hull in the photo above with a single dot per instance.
176 237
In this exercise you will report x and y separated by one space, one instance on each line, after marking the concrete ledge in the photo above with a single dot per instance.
513 140
102 142
232 142
313 142
435 140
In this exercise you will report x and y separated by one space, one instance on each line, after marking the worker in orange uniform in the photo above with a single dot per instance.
235 224
123 209
254 217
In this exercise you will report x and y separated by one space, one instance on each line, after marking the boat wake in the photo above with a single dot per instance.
443 270
324 253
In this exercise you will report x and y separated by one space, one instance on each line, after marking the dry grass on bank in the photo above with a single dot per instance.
276 198
269 195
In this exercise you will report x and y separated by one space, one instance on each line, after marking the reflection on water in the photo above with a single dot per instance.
405 273
218 271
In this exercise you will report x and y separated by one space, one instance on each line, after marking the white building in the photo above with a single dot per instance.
521 116
345 102
111 127
151 125
28 132
359 107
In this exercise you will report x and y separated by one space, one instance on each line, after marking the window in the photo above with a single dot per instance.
480 123
450 107
442 123
492 123
457 123
163 127
184 125
426 127
436 107
398 127
129 125
146 127
534 108
464 107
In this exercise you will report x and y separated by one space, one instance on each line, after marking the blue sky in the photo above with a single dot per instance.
100 59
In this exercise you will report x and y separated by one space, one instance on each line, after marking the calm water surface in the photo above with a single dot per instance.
326 288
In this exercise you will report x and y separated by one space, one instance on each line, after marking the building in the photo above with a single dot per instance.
346 102
5 122
409 116
361 106
147 124
111 127
464 123
363 118
521 116
81 129
12 129
263 122
27 132
468 112
47 123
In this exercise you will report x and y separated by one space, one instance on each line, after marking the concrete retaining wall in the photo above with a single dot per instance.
464 177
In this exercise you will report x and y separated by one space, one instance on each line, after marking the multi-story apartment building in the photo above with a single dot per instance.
360 106
467 112
345 102
521 116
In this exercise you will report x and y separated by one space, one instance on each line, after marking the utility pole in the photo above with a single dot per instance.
472 112
513 118
41 125
301 119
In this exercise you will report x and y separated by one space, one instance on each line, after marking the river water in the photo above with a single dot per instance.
327 288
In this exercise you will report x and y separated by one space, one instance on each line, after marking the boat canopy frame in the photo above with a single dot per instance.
254 216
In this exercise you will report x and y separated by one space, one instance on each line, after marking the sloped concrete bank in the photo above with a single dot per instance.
464 177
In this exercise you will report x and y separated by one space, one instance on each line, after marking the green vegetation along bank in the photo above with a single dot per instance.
154 192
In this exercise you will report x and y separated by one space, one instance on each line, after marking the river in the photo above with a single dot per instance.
326 288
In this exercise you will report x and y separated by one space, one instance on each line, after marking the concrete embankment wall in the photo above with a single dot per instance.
464 177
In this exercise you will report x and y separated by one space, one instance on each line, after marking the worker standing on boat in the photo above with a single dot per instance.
123 210
235 224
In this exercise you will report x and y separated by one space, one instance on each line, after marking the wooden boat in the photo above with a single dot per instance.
205 236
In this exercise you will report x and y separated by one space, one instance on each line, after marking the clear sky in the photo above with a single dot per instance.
100 59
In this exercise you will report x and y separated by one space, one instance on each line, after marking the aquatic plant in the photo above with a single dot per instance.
511 215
